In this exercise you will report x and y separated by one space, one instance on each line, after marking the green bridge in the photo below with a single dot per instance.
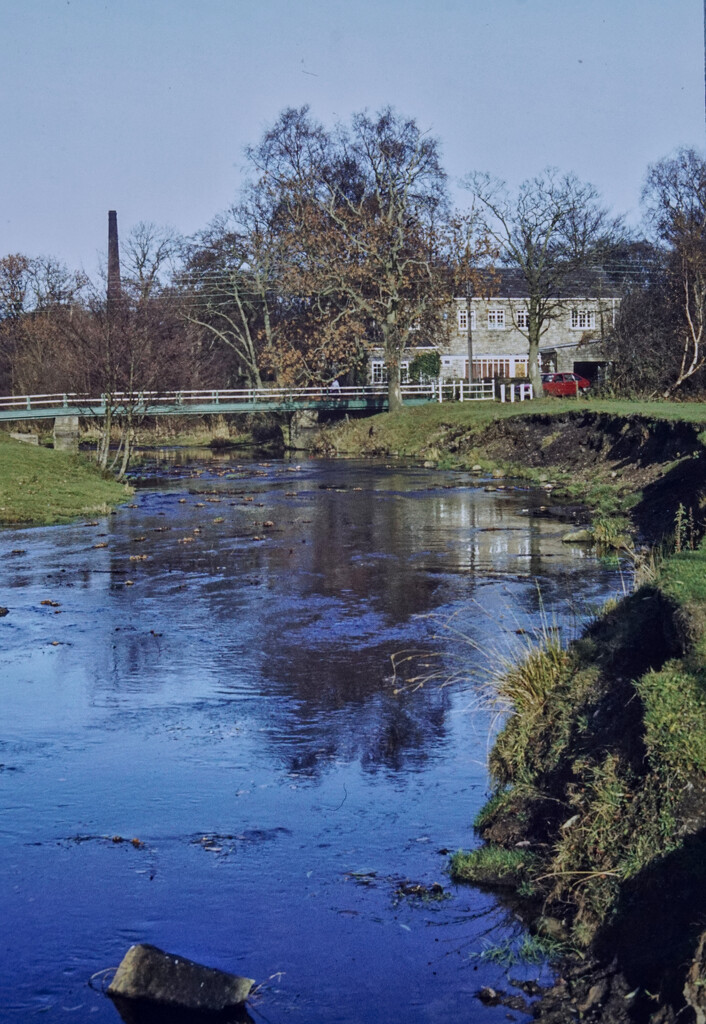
301 406
371 398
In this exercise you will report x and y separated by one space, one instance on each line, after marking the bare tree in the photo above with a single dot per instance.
674 197
254 274
552 227
128 355
34 294
150 257
231 274
15 271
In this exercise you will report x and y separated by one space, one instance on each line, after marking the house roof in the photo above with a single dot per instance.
508 283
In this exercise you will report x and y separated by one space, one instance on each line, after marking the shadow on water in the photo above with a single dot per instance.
216 667
137 1011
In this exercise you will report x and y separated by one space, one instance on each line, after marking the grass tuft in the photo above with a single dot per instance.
529 949
492 865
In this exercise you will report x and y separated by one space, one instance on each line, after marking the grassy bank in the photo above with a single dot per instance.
428 428
599 780
38 485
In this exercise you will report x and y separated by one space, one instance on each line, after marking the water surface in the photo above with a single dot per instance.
213 679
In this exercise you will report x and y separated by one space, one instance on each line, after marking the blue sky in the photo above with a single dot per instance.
145 106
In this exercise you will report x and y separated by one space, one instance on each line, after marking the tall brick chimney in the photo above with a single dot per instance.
113 263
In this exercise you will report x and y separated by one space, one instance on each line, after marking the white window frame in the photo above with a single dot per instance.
379 375
582 320
462 316
522 318
496 319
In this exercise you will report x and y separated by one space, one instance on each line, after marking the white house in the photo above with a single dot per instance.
572 340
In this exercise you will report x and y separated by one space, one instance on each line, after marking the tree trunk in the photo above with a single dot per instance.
127 452
104 443
127 441
394 388
393 347
533 369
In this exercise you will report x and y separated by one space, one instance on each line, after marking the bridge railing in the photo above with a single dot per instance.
38 401
440 391
188 396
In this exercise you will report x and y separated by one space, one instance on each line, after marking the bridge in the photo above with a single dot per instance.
370 398
302 404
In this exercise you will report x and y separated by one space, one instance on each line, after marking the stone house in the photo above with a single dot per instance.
573 340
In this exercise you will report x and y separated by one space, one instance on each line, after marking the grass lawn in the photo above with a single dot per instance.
38 485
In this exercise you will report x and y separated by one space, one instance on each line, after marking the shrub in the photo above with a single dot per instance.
425 367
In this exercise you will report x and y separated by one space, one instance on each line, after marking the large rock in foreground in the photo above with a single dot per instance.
148 973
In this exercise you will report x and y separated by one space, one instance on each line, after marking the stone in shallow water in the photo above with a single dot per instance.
148 973
578 537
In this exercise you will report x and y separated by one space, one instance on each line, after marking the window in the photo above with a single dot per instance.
496 319
463 321
582 319
522 318
378 372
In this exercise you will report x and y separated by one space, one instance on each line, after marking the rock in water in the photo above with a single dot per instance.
578 537
148 973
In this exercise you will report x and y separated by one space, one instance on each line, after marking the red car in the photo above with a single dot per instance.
564 383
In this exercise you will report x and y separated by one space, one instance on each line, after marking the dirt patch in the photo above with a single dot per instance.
634 447
596 994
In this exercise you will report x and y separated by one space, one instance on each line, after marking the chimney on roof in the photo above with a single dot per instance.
113 262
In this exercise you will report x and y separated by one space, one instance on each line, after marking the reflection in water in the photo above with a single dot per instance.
219 666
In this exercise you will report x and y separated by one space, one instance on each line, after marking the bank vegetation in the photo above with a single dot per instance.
42 486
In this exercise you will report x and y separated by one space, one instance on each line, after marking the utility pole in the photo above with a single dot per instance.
469 326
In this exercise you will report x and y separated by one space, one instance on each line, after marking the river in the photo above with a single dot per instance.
213 679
